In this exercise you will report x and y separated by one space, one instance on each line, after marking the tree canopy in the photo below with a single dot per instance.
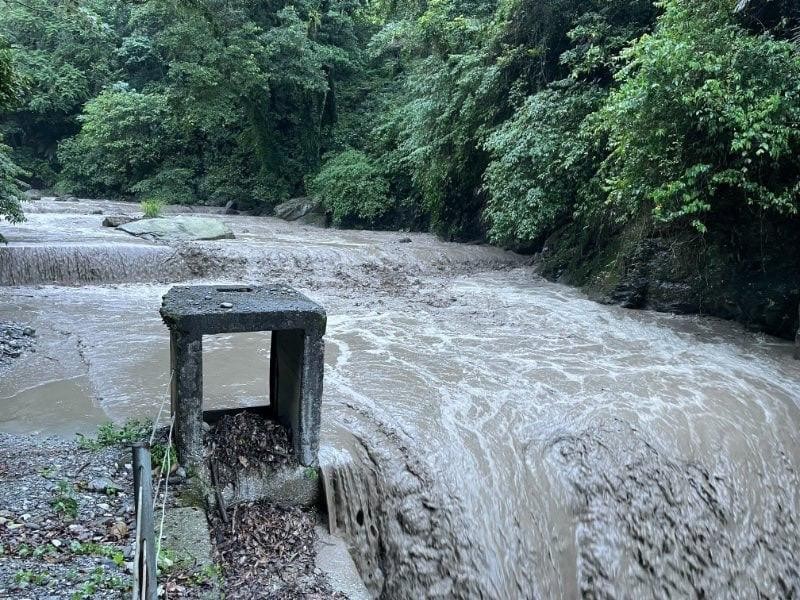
477 118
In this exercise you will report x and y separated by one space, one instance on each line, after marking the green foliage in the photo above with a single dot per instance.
476 117
94 549
353 189
111 434
173 184
100 580
705 120
543 161
63 501
10 173
152 208
124 136
64 51
31 578
161 456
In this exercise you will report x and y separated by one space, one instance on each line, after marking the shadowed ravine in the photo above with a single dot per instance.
485 433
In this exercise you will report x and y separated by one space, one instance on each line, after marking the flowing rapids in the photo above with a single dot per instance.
485 433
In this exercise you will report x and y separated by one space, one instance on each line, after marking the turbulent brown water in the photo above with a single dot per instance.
485 433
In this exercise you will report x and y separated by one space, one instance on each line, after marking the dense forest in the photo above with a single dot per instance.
649 150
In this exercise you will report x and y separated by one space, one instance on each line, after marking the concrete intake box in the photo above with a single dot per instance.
296 357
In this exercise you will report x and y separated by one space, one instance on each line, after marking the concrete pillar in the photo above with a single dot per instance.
297 362
186 359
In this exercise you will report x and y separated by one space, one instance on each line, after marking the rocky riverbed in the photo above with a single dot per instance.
67 530
66 519
14 340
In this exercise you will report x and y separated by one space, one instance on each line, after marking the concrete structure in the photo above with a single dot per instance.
296 358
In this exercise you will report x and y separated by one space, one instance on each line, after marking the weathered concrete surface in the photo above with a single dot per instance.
285 486
296 357
186 393
186 534
203 309
178 228
333 559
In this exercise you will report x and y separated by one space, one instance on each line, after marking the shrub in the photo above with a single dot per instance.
124 138
540 164
152 208
705 119
173 185
353 189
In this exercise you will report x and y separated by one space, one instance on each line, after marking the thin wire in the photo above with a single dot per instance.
161 408
166 491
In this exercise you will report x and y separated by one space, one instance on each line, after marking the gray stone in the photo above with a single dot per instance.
178 228
405 240
117 220
296 357
101 485
303 210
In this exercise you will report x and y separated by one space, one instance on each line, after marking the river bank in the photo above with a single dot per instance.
457 381
67 531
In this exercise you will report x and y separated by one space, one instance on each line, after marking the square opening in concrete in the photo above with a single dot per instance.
236 370
296 327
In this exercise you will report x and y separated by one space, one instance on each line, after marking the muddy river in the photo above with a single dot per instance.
486 433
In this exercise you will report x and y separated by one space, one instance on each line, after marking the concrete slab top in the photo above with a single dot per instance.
211 309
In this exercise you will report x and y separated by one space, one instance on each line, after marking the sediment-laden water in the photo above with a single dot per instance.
485 433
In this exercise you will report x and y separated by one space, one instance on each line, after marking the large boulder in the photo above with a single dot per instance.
178 229
303 210
117 220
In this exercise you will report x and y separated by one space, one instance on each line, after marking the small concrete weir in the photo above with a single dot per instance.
265 454
296 358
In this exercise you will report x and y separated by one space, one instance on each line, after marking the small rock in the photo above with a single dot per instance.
13 526
97 212
101 485
405 240
26 516
29 332
180 473
226 305
103 506
56 543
